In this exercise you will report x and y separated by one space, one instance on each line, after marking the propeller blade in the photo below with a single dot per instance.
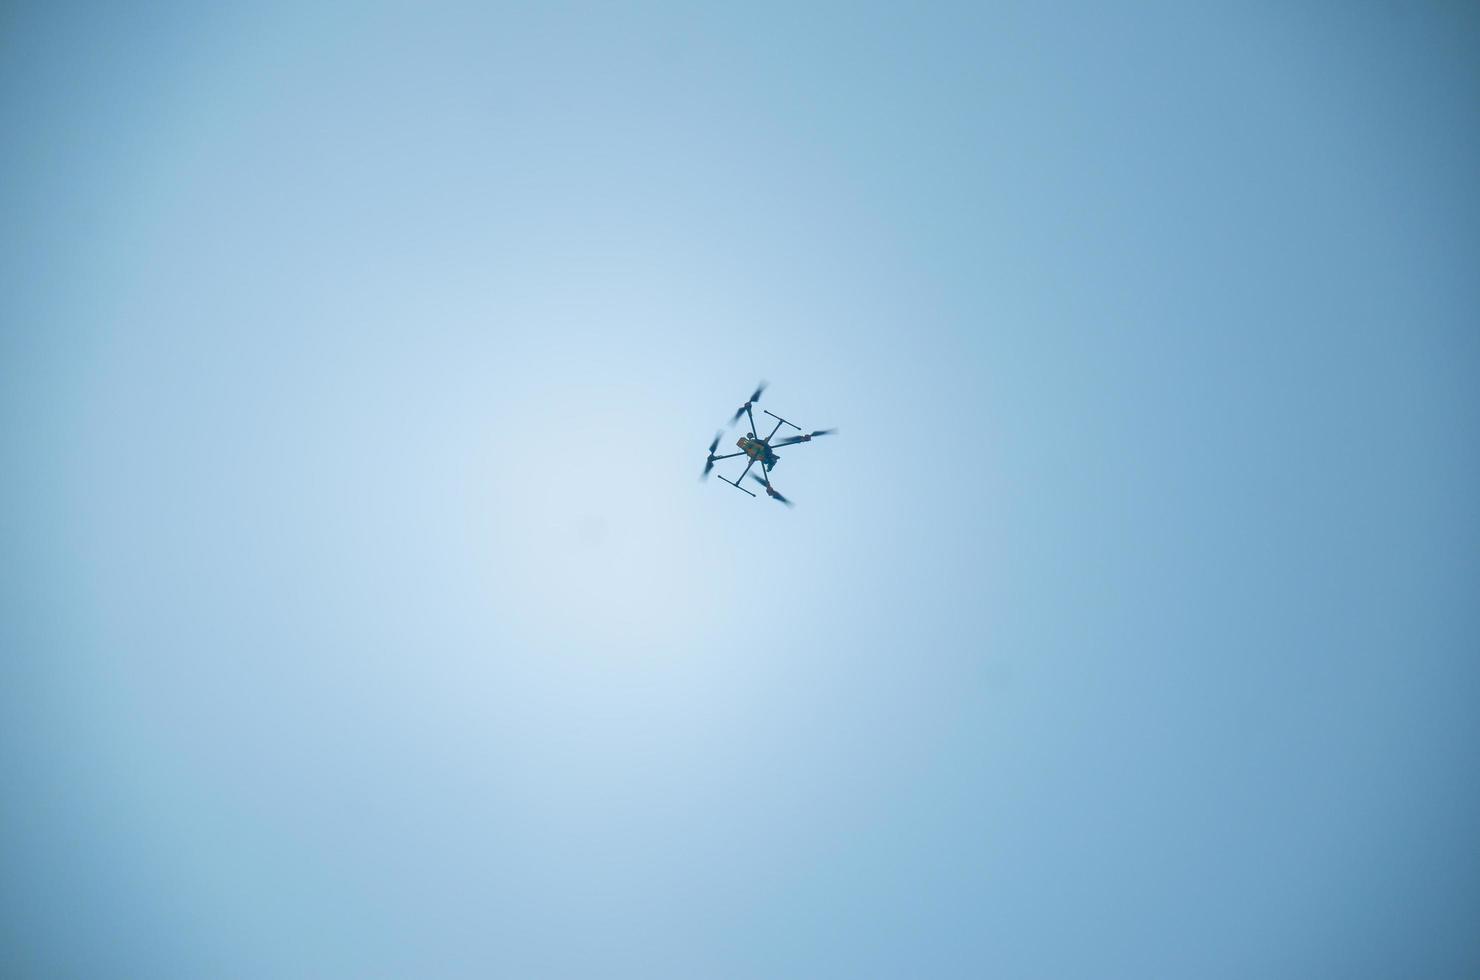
806 437
709 463
776 494
755 396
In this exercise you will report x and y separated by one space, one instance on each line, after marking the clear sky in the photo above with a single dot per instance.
362 614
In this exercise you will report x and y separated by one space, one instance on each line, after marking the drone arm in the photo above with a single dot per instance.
728 456
751 417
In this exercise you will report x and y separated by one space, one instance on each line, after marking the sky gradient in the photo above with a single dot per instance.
361 612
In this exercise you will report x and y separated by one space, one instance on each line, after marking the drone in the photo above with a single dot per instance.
759 450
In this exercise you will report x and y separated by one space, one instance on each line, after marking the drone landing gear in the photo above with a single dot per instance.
736 483
737 486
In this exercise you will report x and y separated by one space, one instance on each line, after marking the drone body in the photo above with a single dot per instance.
759 450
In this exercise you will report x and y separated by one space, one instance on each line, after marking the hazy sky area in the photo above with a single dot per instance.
362 613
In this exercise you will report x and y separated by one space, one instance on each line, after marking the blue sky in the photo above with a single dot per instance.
362 613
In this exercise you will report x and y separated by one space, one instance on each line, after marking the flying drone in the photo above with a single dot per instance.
759 450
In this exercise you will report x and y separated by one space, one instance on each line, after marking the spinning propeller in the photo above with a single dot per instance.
749 402
773 493
709 463
804 437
